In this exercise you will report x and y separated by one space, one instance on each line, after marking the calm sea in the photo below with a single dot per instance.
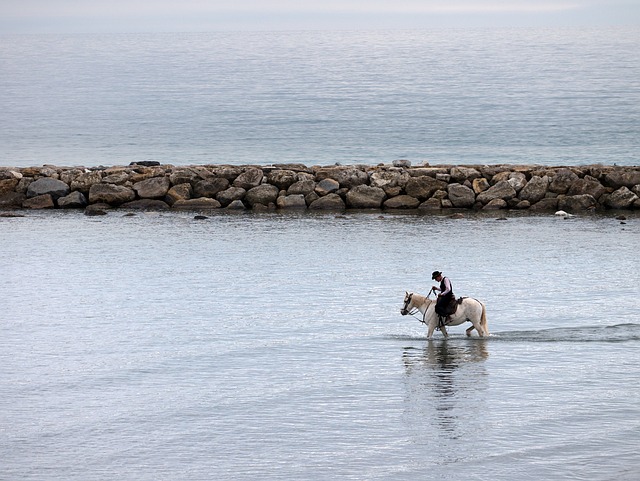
549 96
249 346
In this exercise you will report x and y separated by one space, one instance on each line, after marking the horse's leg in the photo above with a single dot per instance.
431 327
469 331
443 330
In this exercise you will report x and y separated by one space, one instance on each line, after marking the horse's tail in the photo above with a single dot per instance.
483 319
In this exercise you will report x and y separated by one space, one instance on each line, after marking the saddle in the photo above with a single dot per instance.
449 310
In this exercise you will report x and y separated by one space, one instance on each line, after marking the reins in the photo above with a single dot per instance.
415 310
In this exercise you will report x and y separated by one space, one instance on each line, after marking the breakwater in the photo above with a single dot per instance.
397 186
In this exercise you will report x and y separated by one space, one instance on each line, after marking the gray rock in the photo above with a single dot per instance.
210 187
561 182
587 185
535 190
146 204
431 204
84 181
496 204
546 204
264 194
295 201
110 194
328 202
402 163
153 188
365 197
178 192
391 181
622 198
303 187
250 178
43 201
327 186
197 204
577 203
461 174
622 177
461 196
282 179
226 197
46 185
423 187
402 202
347 177
236 205
502 190
75 200
95 209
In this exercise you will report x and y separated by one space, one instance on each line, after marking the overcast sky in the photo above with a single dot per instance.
203 15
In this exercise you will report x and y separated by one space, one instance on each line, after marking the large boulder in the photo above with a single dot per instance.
622 177
231 194
546 204
365 197
84 181
423 187
461 174
303 187
347 177
55 188
502 190
264 194
110 194
402 202
535 190
153 188
178 192
43 201
328 202
562 181
622 198
480 185
587 185
391 181
295 201
461 195
327 186
250 178
210 187
282 179
182 175
577 203
74 200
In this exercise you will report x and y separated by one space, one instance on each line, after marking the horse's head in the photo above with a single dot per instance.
408 303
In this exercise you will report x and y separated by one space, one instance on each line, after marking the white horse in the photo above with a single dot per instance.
469 309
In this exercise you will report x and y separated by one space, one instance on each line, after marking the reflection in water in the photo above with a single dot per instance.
444 383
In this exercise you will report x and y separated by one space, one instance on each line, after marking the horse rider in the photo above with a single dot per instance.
446 293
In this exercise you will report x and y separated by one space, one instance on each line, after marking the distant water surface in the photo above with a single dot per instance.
549 96
271 346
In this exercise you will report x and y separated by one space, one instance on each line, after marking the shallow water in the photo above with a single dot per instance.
271 346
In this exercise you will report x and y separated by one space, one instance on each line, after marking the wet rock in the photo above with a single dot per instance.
303 187
75 200
295 201
200 203
110 194
44 201
95 209
535 190
327 186
496 204
231 194
365 197
153 188
546 204
250 178
264 194
502 190
577 203
12 199
461 196
210 187
587 185
236 205
424 187
622 198
328 202
178 192
55 188
146 204
523 204
402 202
431 204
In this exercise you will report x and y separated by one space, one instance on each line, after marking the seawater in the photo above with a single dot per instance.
554 96
271 346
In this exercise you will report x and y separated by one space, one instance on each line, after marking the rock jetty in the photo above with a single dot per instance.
397 186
